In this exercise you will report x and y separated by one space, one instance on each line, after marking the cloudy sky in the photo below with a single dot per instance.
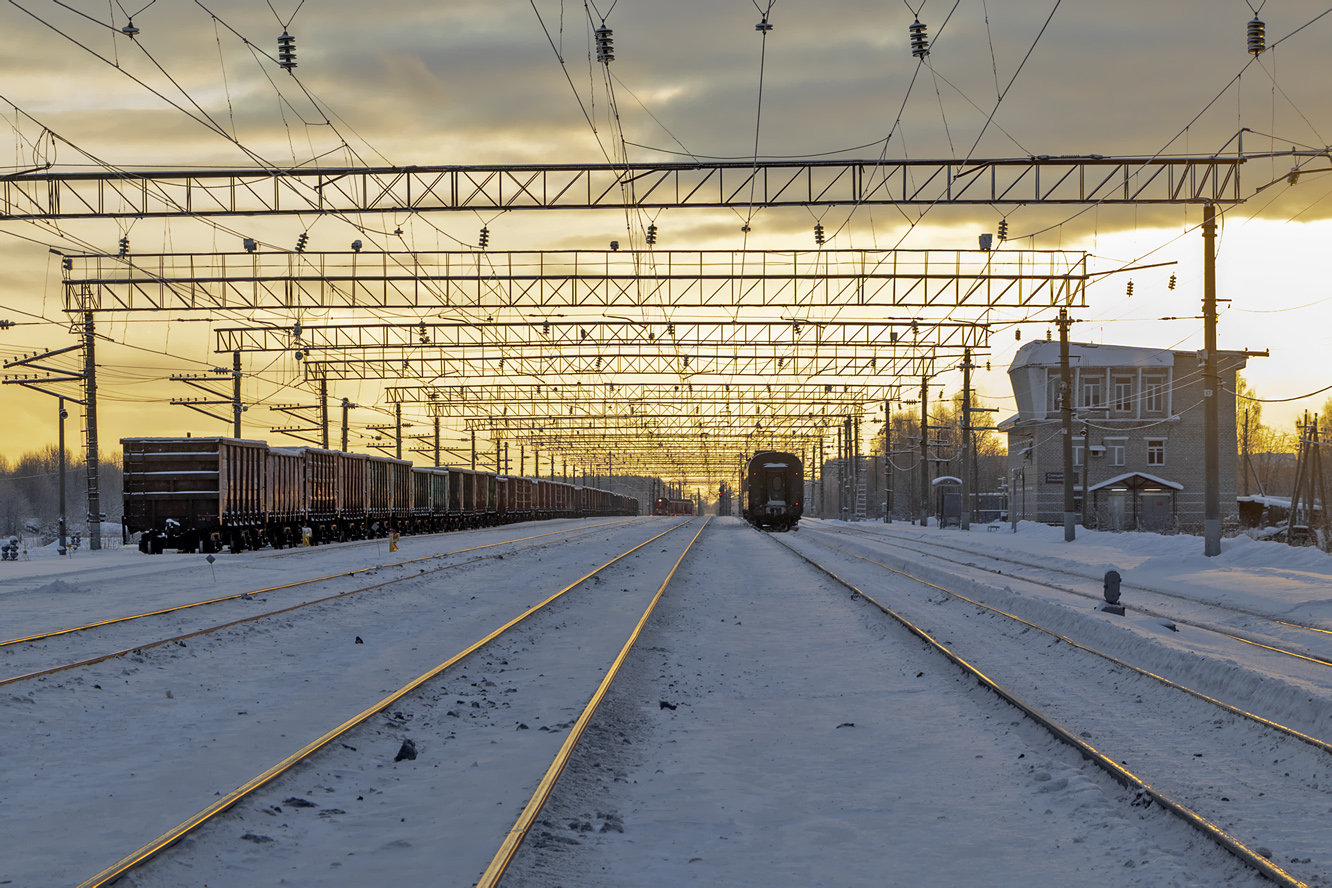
409 82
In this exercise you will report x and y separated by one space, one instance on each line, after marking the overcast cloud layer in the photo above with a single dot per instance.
478 82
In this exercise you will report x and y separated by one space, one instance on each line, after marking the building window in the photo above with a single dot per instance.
1123 394
1077 454
1115 450
1091 393
1154 394
1156 451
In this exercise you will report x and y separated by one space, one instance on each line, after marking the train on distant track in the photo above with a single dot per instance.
206 494
773 491
665 506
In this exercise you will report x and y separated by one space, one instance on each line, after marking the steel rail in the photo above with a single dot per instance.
509 848
177 832
1315 742
92 661
241 595
1196 624
1119 773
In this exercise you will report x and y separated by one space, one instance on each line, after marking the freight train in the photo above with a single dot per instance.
203 494
774 490
665 506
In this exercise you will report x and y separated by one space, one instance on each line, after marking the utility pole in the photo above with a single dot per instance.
235 395
323 408
474 450
1211 392
346 406
966 439
437 442
38 384
887 462
924 450
1066 415
63 413
841 470
90 429
397 430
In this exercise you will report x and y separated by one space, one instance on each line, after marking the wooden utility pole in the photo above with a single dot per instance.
966 439
888 462
323 408
924 450
90 430
1066 430
1211 393
236 406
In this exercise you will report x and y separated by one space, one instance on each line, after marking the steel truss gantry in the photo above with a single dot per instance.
835 337
536 399
599 186
545 283
867 367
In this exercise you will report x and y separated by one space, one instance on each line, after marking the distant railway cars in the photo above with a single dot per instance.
204 494
774 490
666 506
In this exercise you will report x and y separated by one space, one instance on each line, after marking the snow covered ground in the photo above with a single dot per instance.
769 730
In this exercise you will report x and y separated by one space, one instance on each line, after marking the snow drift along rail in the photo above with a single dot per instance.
500 863
1120 774
173 835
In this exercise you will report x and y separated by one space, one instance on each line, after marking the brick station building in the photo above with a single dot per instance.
1137 436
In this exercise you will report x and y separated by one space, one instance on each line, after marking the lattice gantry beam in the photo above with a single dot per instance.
1042 179
502 339
457 399
659 422
867 365
544 284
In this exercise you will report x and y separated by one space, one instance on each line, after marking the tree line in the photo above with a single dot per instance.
30 493
1266 461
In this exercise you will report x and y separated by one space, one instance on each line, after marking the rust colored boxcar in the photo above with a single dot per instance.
194 493
286 496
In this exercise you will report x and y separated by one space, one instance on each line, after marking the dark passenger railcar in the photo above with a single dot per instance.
774 490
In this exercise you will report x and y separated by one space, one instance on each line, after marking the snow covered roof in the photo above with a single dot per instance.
1118 479
1279 501
1087 354
946 479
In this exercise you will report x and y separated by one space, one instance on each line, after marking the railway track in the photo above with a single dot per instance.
523 625
1188 610
155 618
1247 782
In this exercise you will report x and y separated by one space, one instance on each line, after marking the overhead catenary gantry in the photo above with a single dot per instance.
548 284
600 186
730 350
568 293
532 398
